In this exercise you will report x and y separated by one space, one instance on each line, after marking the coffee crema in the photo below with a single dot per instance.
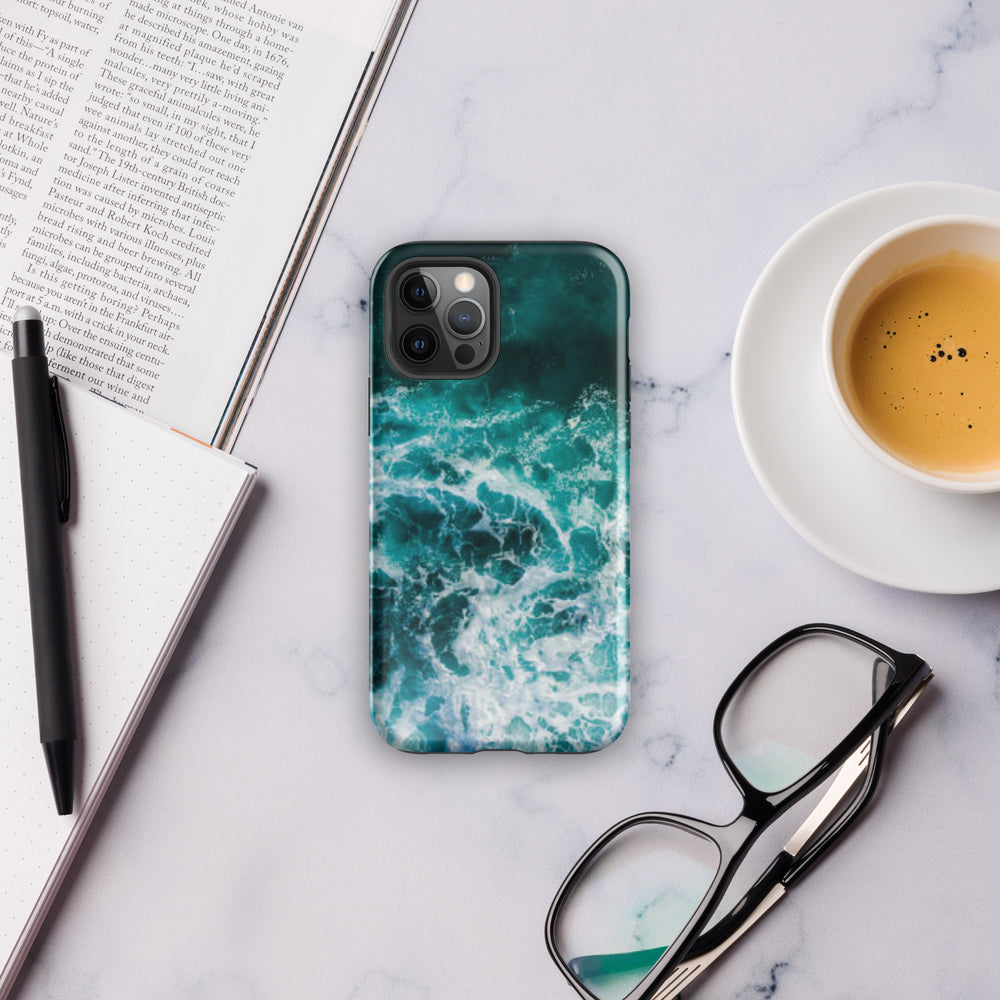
924 365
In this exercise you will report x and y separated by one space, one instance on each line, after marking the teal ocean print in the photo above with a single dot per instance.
499 521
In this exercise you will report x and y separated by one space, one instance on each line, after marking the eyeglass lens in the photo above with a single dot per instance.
793 710
633 902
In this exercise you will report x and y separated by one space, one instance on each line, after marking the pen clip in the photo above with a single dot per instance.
61 444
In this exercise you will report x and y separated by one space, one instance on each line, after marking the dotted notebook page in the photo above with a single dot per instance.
150 512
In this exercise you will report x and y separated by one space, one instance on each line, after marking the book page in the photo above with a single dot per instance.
156 159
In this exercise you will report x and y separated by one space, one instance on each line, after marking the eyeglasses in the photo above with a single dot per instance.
646 909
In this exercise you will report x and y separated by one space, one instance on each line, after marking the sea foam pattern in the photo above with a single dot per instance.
499 584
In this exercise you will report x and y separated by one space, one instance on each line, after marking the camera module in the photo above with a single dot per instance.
439 316
418 291
418 344
466 317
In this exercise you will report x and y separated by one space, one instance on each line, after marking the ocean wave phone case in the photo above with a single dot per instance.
499 587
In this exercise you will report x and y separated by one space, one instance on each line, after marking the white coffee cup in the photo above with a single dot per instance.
941 239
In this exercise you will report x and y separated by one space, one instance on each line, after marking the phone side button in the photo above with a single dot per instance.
368 402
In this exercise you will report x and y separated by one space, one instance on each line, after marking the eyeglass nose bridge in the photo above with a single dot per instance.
758 807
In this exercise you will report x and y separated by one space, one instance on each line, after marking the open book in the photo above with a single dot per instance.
152 510
166 167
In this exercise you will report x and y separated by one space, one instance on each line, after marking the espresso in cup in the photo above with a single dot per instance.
912 351
923 365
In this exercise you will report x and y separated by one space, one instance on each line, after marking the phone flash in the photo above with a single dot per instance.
465 281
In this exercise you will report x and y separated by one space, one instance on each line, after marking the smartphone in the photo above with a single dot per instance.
499 497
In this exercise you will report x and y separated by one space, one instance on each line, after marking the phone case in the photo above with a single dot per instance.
499 593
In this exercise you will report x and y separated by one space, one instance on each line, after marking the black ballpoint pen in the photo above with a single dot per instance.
46 505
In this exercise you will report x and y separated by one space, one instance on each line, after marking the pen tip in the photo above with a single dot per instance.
26 313
59 757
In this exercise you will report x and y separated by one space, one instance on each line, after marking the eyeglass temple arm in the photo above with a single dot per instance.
789 866
693 966
866 761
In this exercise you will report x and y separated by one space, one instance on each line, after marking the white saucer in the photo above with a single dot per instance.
841 500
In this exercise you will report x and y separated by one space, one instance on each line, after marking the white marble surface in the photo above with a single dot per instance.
261 842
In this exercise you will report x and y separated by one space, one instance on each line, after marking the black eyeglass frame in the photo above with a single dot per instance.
760 810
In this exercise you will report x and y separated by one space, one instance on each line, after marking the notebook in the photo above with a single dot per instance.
151 512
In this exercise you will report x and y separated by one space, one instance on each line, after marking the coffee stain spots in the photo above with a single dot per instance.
960 352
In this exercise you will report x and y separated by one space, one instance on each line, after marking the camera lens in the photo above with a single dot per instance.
418 344
418 291
466 317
